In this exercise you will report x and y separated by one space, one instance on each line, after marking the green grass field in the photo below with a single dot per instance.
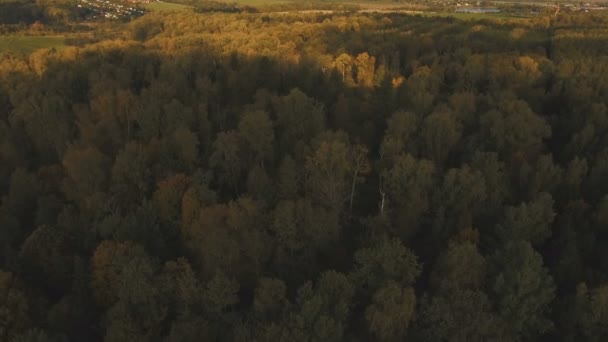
166 6
258 2
28 44
476 16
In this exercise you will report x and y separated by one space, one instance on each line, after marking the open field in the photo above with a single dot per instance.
386 7
166 6
476 16
28 44
259 2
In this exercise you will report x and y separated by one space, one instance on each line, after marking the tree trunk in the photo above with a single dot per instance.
352 190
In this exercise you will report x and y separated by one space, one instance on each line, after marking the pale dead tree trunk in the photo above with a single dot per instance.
382 197
352 190
381 191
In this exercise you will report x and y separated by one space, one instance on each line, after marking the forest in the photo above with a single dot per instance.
303 177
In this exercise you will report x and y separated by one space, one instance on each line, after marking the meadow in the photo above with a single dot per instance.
28 44
166 6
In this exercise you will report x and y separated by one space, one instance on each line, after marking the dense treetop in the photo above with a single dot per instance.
308 177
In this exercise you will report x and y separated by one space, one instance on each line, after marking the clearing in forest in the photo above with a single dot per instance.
28 44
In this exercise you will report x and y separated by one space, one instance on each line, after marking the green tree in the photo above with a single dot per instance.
179 288
323 310
23 190
522 289
529 221
590 313
400 136
498 186
108 263
270 301
227 159
139 310
256 128
302 231
459 267
33 335
18 205
460 316
513 128
441 132
542 175
186 146
46 257
386 260
288 182
260 186
458 201
168 199
422 88
86 170
131 174
408 185
391 311
189 329
220 293
299 119
14 306
228 237
328 170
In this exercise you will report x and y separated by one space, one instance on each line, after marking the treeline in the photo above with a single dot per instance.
209 6
308 177
17 15
20 12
